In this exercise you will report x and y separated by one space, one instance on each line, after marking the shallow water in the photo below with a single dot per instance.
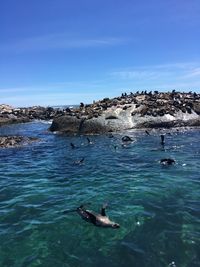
158 207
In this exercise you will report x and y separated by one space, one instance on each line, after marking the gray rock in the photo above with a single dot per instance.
196 107
15 141
68 124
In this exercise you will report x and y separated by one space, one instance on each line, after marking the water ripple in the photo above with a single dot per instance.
157 208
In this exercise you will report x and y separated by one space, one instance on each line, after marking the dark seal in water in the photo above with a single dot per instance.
167 161
98 219
95 218
126 138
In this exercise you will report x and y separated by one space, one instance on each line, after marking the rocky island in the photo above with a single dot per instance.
129 111
135 110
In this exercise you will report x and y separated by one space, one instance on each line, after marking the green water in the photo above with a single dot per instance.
157 207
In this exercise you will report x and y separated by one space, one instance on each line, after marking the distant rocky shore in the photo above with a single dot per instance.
9 115
129 111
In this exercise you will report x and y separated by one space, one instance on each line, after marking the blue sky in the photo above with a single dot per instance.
66 52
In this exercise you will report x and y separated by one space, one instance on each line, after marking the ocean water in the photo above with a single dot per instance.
157 207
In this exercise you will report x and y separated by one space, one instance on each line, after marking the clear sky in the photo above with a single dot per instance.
56 52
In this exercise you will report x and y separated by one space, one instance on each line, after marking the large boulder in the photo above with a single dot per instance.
68 124
74 125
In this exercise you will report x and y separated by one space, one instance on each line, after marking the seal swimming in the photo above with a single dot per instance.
162 139
98 219
167 161
127 138
89 141
79 162
72 145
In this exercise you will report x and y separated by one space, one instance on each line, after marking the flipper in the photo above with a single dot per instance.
103 209
82 160
162 139
72 145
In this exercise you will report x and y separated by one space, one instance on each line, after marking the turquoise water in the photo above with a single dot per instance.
157 207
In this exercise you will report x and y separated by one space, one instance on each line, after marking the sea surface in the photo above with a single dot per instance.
157 207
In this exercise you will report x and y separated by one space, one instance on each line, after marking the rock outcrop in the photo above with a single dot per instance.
9 115
15 141
139 110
